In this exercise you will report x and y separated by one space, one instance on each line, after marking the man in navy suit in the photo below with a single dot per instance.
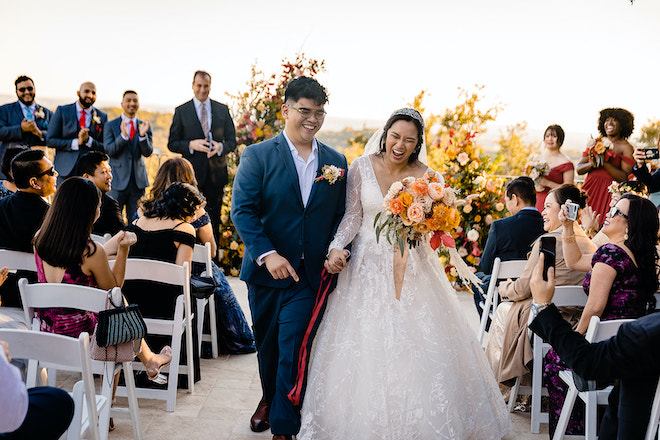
203 132
511 238
286 217
127 140
23 122
632 357
652 181
76 129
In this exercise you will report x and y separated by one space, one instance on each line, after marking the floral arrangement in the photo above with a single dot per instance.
331 174
628 188
601 150
39 112
536 169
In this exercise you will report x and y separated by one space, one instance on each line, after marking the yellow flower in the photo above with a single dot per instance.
259 132
261 107
234 272
477 218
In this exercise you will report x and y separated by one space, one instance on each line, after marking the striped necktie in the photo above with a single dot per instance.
204 119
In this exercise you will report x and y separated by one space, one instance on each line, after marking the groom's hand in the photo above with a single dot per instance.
336 261
279 267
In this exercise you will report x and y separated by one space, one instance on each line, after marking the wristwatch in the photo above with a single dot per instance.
537 308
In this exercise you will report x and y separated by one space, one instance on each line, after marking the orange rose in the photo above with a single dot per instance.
406 199
434 223
416 213
404 218
436 191
420 187
396 206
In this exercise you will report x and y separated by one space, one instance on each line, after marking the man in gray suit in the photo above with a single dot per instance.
76 129
128 140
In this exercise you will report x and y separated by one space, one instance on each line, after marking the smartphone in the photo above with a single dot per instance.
652 153
573 209
548 245
210 139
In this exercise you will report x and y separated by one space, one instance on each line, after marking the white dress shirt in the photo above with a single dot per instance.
13 396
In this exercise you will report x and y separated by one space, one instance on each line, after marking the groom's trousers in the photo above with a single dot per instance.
280 318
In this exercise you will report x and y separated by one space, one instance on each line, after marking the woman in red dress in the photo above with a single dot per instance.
617 125
561 167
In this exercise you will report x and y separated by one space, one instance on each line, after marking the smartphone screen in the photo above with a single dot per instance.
548 245
652 153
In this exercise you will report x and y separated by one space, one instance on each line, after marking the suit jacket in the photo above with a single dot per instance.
632 356
186 127
110 220
126 155
64 127
652 181
511 238
21 215
268 212
11 117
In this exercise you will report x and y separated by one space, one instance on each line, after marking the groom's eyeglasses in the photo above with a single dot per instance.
307 113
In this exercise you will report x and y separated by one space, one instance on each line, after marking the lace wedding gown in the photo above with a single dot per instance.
395 369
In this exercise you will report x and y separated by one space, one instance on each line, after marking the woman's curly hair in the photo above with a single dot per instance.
624 117
179 201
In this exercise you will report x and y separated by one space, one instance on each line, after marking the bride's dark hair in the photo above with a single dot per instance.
410 115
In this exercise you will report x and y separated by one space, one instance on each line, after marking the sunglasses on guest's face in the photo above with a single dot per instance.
50 172
23 89
616 211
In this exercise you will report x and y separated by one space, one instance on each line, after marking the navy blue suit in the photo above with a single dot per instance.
652 181
63 129
11 117
268 212
631 356
129 170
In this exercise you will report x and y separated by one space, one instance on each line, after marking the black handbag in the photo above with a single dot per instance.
119 324
201 286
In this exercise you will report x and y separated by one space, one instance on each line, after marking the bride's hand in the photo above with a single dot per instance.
336 261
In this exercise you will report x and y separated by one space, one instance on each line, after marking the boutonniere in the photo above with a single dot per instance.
96 118
39 113
331 174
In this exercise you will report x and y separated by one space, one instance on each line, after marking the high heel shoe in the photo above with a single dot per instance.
154 375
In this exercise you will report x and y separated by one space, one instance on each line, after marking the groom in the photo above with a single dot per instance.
286 216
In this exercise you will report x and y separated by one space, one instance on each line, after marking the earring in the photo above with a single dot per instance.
625 237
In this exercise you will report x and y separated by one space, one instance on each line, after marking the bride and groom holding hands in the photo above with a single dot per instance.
395 364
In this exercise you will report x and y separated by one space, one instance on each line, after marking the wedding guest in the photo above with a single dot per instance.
630 360
614 125
234 333
510 238
652 181
203 132
7 186
621 283
561 167
76 129
128 140
26 414
95 167
164 233
23 122
64 253
509 350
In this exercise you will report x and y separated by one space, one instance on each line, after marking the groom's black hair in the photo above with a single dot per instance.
303 87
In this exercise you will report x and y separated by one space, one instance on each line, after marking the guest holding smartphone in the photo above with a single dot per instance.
641 171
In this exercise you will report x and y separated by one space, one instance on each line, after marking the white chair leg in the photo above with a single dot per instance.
566 411
513 395
73 433
133 407
201 309
213 323
537 387
590 416
484 319
107 383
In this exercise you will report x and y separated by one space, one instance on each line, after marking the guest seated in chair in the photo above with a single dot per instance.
234 333
7 186
621 283
509 349
65 253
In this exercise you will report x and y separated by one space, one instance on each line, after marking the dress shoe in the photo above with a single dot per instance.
260 421
282 437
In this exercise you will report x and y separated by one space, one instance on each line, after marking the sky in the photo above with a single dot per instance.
551 61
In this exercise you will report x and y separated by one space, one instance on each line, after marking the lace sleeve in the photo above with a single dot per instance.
350 224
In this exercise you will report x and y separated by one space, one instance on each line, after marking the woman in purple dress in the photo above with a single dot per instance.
621 283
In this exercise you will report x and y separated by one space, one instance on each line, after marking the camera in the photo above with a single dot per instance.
652 153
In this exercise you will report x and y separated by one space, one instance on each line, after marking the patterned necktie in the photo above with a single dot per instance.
132 132
28 114
204 119
83 120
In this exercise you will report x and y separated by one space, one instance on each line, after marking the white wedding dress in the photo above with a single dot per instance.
395 369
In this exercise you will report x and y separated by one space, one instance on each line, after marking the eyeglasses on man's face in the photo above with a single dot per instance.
616 211
50 172
307 113
23 89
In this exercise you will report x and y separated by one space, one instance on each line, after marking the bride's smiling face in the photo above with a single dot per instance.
401 141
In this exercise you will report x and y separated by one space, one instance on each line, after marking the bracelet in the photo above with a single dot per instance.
570 239
536 308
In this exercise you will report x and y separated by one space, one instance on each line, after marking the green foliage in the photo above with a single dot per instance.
160 125
514 153
650 134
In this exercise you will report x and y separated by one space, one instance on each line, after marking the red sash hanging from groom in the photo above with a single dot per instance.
328 283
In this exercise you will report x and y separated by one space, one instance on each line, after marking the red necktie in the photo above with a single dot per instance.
82 119
132 134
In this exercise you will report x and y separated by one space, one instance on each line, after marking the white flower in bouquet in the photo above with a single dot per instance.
462 252
449 198
473 235
467 209
499 206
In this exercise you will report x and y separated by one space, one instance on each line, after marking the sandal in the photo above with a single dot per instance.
155 376
111 426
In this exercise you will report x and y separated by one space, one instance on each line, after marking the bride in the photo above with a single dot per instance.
406 368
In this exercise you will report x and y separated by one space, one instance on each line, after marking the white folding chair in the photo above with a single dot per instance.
180 325
48 295
16 260
502 270
598 331
202 254
654 421
564 296
46 349
103 239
